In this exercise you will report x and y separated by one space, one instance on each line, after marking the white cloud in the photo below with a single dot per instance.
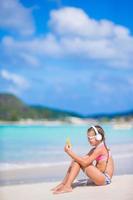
78 34
15 17
75 22
74 34
31 50
16 83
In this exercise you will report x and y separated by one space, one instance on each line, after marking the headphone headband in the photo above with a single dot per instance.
95 130
98 135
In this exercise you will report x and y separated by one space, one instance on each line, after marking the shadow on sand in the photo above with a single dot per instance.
83 182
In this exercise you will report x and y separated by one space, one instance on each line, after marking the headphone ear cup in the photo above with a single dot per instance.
98 137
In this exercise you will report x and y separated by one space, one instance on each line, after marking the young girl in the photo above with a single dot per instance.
98 164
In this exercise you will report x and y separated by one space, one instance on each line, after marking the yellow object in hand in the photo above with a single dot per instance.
68 142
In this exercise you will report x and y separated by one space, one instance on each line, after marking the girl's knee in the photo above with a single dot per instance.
72 163
75 163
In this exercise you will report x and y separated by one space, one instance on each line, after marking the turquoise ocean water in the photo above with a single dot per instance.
44 145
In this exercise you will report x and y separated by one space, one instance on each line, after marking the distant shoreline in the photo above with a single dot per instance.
122 123
68 120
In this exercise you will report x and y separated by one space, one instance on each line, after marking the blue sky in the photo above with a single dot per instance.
68 54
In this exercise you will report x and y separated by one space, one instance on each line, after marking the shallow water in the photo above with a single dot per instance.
44 145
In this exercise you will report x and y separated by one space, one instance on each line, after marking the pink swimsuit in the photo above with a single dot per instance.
102 157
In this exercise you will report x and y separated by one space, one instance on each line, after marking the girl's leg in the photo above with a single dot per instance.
95 175
91 171
65 178
70 178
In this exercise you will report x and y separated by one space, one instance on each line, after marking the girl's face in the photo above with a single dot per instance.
92 138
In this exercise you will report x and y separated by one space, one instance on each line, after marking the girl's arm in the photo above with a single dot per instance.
84 162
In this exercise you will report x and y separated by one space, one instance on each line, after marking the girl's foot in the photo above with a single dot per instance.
63 189
57 187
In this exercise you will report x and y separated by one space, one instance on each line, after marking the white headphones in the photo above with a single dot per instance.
98 135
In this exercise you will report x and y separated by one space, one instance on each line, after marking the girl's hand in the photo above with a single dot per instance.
67 148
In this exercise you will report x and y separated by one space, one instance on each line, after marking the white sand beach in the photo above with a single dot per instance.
120 188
